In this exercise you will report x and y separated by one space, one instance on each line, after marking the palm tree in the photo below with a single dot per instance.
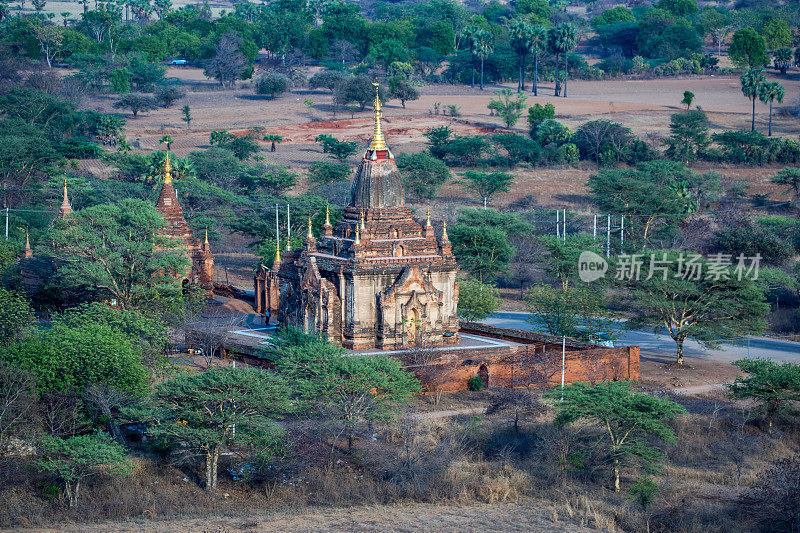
751 80
553 48
274 139
519 33
469 35
767 92
568 38
483 47
538 43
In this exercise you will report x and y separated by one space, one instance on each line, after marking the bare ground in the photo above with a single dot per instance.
521 516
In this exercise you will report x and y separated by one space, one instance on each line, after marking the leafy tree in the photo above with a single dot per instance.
688 98
613 16
552 131
166 139
751 81
519 32
629 421
328 172
243 147
272 83
597 138
690 297
186 115
350 389
688 135
228 63
789 176
777 33
76 459
422 173
487 184
327 79
477 300
221 407
51 40
538 113
484 252
16 316
565 40
651 189
274 139
401 89
538 43
145 74
768 92
167 95
560 256
748 49
342 150
508 106
357 89
775 385
782 59
221 138
275 179
116 251
679 8
72 358
576 312
120 80
136 102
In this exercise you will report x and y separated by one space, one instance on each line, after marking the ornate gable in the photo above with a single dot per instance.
412 281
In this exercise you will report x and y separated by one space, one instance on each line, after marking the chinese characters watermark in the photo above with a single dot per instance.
661 265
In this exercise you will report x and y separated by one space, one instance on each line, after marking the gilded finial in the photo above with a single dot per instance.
361 219
327 215
288 244
277 253
428 219
166 169
444 230
206 237
378 141
358 236
310 234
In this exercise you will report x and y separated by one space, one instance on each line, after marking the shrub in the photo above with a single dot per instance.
552 131
80 148
328 172
772 500
166 96
272 84
537 114
519 148
568 153
475 383
423 174
327 79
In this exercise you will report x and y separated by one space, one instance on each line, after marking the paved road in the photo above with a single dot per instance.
662 347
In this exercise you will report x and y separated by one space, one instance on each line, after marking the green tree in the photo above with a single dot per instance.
401 89
519 33
679 8
327 172
748 50
577 312
628 421
508 106
274 139
272 83
688 98
352 390
487 184
566 40
483 43
477 300
221 407
777 33
538 43
768 92
538 113
115 250
186 115
166 139
752 80
782 59
789 176
76 459
560 256
484 252
688 296
136 102
16 316
342 150
688 136
423 174
775 385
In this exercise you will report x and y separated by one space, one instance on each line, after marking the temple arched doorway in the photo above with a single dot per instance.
413 328
483 373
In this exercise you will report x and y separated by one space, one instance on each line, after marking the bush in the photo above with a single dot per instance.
166 96
475 383
327 79
552 131
537 114
423 174
80 148
328 172
272 84
519 148
568 153
772 500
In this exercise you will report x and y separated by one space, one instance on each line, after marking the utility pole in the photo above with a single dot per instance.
622 235
594 231
6 222
277 230
563 363
564 225
558 228
288 228
608 236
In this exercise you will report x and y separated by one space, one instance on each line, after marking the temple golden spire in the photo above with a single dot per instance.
65 208
327 215
361 221
166 169
358 236
310 234
277 254
444 230
206 243
428 219
378 141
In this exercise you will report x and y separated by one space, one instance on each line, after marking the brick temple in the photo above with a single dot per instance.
378 279
198 253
